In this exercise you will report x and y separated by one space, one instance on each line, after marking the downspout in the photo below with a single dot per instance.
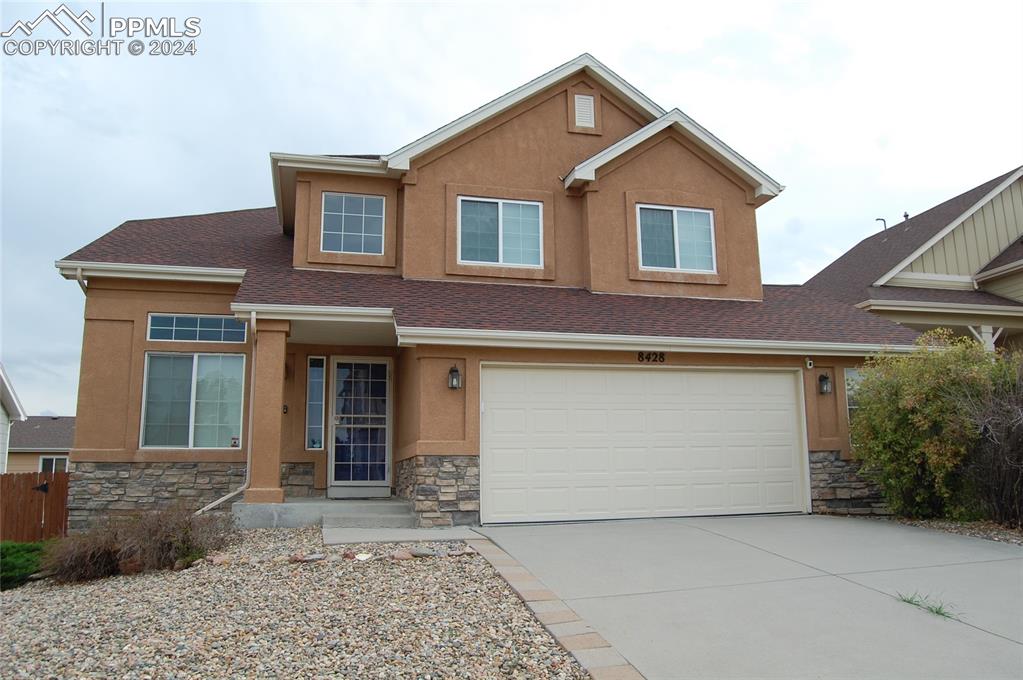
248 435
80 280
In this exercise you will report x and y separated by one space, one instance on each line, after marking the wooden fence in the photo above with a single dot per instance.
33 506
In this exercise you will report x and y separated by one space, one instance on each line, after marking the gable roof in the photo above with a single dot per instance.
852 276
1006 260
284 166
764 186
43 433
9 398
401 158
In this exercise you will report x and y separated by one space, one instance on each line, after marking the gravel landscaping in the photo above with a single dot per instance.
986 530
251 611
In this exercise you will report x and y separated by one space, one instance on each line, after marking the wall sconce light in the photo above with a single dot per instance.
824 384
455 378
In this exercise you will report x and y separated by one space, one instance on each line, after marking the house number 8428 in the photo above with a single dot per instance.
650 357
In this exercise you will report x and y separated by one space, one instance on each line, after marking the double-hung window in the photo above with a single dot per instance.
193 400
352 223
196 328
53 463
676 239
500 232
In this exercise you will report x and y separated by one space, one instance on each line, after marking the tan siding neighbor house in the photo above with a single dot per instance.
548 309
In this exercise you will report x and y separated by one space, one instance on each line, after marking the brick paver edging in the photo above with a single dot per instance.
589 647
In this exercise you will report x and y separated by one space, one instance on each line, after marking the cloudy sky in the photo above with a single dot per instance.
862 111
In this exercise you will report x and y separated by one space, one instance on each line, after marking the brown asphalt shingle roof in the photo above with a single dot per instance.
849 278
1013 253
252 239
43 432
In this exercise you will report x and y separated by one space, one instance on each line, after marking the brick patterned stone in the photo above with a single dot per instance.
100 490
444 490
297 480
836 488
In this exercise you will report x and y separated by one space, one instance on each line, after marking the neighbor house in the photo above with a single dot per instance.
41 444
11 411
958 265
548 309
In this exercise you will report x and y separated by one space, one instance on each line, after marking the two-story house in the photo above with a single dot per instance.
548 309
958 265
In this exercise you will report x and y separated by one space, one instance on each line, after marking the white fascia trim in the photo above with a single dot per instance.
764 184
943 281
946 307
947 230
243 310
409 336
923 276
71 269
9 398
400 159
1010 268
348 166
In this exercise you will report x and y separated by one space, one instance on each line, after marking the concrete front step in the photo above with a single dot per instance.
368 521
307 512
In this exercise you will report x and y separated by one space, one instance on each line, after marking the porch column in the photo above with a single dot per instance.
268 376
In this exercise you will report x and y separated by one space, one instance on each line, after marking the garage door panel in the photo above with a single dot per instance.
563 443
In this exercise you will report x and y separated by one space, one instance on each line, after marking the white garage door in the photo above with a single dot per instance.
598 443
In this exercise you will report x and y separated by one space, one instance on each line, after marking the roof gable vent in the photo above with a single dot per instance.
584 111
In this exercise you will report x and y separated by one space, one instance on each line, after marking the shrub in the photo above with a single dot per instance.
18 561
915 434
144 541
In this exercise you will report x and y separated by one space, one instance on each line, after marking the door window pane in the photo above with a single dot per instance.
360 434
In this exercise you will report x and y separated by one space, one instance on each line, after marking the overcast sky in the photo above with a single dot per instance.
862 110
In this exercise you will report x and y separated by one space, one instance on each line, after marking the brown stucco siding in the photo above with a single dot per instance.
114 346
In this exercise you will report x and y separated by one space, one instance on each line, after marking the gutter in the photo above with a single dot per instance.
248 434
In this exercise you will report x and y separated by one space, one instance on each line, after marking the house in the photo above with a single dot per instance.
11 411
41 444
548 309
958 265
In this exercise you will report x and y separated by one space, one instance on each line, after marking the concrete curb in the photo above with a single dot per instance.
590 649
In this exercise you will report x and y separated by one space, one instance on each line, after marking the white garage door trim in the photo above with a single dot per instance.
801 426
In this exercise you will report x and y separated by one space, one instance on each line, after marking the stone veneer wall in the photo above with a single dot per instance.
836 487
444 490
100 490
297 481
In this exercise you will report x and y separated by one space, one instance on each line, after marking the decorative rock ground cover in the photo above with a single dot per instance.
281 604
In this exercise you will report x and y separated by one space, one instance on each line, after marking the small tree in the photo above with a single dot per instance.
910 431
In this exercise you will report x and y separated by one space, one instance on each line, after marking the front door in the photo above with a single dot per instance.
360 458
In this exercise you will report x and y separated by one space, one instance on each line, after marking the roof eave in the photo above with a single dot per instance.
9 398
73 269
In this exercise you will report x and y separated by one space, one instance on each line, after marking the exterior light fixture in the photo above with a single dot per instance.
455 378
824 384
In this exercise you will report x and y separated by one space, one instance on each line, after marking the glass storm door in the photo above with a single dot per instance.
360 457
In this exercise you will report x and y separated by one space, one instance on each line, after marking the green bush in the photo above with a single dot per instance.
145 541
18 561
913 431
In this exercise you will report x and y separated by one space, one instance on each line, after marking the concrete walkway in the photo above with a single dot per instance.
784 597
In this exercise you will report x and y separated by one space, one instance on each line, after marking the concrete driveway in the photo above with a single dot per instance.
784 597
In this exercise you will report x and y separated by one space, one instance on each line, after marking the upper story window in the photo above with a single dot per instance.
352 223
676 239
500 232
195 328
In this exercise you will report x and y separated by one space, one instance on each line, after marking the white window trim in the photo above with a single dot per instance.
678 245
323 403
191 406
42 458
149 327
383 222
500 232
